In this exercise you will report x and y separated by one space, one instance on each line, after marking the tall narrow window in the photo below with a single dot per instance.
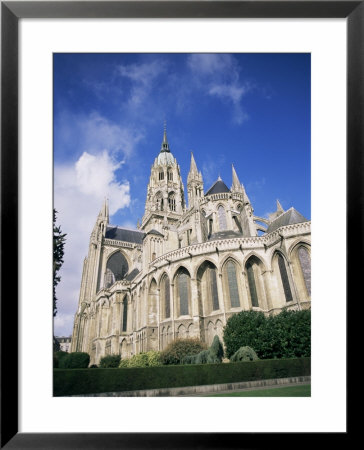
125 314
222 218
161 176
251 283
167 300
172 202
233 284
284 278
210 227
183 293
305 262
170 176
213 284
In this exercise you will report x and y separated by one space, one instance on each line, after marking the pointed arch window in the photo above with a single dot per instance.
232 284
251 283
213 283
116 269
305 262
207 288
161 175
222 218
284 278
170 175
167 299
171 202
125 314
183 292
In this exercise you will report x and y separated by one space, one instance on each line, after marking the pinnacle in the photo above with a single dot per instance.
193 167
279 207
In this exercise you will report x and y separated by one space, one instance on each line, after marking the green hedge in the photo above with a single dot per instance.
86 381
74 360
285 335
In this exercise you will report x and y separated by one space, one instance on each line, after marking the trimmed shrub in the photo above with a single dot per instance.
147 359
75 360
110 361
244 354
216 350
213 355
201 358
57 357
177 350
285 335
85 381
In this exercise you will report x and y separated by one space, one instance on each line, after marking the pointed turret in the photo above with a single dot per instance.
279 207
236 186
279 211
104 211
193 167
194 183
101 221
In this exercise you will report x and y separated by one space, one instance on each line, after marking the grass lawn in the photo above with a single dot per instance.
303 390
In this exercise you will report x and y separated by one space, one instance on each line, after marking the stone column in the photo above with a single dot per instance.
173 308
195 313
267 283
293 284
245 292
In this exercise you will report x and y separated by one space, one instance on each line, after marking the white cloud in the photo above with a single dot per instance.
79 191
230 91
143 77
218 75
94 133
211 63
142 73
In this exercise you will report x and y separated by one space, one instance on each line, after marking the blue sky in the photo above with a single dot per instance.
252 110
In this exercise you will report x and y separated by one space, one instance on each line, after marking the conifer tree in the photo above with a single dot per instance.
59 240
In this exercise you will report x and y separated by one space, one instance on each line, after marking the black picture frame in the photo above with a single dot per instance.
11 12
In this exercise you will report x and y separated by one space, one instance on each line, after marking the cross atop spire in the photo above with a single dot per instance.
165 145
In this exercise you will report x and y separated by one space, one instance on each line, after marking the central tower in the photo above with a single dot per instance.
165 202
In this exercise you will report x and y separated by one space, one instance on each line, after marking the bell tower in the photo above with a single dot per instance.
165 203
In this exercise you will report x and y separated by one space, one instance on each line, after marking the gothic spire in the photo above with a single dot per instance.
193 167
104 211
165 145
236 183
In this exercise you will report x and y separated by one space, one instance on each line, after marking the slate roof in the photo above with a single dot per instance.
123 234
217 188
287 218
153 231
228 234
132 275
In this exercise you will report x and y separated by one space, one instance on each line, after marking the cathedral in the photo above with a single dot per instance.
189 265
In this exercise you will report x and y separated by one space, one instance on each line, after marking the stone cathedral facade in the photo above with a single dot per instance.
189 266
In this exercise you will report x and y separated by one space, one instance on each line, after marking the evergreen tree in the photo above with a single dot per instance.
59 240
